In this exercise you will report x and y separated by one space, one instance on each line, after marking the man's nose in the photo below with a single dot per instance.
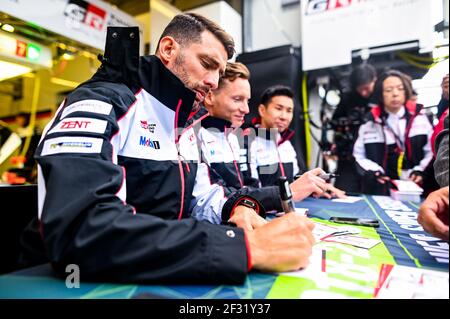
245 108
212 80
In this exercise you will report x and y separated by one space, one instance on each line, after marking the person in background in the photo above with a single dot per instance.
395 142
443 103
434 213
273 156
441 162
442 112
346 120
269 154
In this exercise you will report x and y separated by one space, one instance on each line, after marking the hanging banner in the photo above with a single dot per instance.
82 20
333 29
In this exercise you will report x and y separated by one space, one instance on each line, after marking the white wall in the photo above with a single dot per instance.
223 14
272 25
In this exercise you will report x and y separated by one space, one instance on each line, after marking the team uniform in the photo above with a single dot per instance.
119 180
268 155
394 144
221 152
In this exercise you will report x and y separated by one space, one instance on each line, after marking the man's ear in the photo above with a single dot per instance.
209 101
168 49
262 110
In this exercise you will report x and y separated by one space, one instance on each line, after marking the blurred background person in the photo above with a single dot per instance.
395 142
443 104
346 121
441 162
442 112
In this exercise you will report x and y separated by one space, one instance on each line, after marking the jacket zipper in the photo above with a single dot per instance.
180 165
234 161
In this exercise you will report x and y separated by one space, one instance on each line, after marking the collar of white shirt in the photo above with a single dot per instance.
400 114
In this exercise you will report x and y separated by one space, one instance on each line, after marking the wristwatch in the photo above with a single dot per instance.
248 203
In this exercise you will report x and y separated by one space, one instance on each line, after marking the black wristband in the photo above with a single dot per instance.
236 200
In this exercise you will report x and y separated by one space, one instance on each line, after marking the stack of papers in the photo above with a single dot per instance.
413 283
406 191
342 234
348 199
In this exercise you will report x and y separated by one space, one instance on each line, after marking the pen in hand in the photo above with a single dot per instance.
286 195
326 177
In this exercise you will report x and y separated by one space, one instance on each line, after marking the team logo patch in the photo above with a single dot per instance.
148 126
72 144
143 141
90 106
80 124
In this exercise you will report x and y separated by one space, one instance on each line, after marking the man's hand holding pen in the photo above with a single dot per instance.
314 183
307 184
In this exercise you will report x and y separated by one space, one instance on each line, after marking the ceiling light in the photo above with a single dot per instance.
11 70
63 82
7 28
68 56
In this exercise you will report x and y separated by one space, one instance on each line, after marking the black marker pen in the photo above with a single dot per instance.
286 195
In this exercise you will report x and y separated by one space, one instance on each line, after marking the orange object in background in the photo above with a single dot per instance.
13 179
18 160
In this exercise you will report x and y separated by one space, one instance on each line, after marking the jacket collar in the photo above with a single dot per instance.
286 136
120 61
216 123
162 84
378 114
281 137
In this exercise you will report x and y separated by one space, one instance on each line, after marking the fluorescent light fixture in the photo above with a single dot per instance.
63 82
11 70
7 28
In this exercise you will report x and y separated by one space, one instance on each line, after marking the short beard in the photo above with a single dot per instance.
180 72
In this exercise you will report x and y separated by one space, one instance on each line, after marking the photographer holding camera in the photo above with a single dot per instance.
347 119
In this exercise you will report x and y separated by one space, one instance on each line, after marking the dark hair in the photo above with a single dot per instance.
233 71
276 90
378 90
187 28
362 74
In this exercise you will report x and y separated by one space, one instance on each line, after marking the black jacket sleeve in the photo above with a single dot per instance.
84 220
268 196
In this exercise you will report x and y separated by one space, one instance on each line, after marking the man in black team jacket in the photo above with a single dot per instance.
117 169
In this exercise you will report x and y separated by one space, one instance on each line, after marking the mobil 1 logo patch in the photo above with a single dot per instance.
147 142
